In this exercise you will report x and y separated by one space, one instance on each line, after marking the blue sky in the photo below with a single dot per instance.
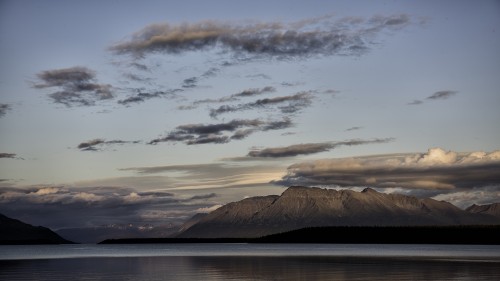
193 104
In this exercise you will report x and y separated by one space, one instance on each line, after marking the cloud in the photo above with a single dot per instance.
478 195
353 128
4 108
139 66
435 170
309 148
233 97
442 95
135 77
10 156
190 82
259 76
211 72
76 85
309 37
415 102
59 206
100 144
214 175
254 92
143 96
192 134
293 103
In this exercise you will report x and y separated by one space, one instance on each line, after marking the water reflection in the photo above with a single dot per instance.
248 268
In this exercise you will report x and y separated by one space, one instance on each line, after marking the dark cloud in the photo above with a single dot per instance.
204 196
293 103
278 125
220 133
77 86
8 155
190 82
309 148
321 36
241 134
444 171
355 128
100 144
143 96
4 108
254 92
441 95
208 138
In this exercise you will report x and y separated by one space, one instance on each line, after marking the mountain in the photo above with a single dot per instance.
192 221
90 235
13 231
301 207
490 209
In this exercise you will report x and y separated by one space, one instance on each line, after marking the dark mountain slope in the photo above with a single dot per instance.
13 231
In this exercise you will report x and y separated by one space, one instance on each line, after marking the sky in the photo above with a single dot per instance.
148 112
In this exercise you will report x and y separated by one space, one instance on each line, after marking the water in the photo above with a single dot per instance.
249 262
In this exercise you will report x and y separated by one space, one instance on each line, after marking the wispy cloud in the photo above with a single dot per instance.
355 128
415 102
254 92
218 133
214 175
439 95
77 86
309 37
309 148
442 95
234 97
292 104
143 96
101 144
4 108
435 170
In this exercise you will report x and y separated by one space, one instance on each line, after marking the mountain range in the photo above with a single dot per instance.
90 235
302 207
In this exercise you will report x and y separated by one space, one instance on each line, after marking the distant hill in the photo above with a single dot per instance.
490 209
302 207
482 235
115 231
13 231
472 235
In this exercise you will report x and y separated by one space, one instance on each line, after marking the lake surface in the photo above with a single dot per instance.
249 262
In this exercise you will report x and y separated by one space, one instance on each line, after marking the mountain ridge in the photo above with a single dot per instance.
300 207
16 232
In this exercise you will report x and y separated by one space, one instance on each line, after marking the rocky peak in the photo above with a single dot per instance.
490 209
